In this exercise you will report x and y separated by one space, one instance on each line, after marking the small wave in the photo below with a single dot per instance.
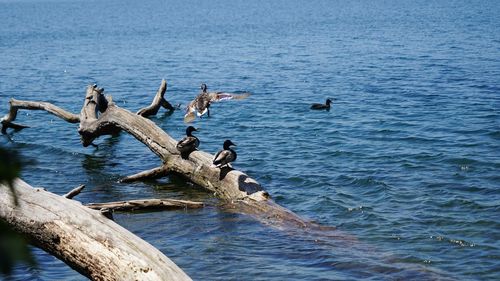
369 182
359 208
341 153
494 135
463 163
458 242
485 87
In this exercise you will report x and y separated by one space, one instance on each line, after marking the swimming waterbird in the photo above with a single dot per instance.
320 106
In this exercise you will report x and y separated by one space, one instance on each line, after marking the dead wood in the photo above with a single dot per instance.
83 238
158 101
147 204
100 116
15 105
74 192
154 173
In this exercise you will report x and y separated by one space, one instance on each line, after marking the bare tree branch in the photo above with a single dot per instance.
158 101
132 205
154 173
74 192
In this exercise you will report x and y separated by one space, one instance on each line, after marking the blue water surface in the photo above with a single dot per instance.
406 164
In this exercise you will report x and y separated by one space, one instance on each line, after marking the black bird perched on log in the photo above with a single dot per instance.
201 104
189 143
225 156
320 106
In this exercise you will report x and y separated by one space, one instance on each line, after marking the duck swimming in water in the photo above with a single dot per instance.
201 104
320 106
189 143
225 156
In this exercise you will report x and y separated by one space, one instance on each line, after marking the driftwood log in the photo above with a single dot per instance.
83 238
100 116
146 204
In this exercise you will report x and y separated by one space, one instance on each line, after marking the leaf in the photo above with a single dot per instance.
13 246
10 168
13 249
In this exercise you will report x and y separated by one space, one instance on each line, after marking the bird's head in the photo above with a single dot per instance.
203 87
228 143
190 129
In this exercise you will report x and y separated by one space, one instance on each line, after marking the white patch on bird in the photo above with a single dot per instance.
203 112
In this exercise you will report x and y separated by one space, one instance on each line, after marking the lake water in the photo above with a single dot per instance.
406 163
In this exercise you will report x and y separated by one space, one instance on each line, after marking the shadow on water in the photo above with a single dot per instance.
102 155
163 116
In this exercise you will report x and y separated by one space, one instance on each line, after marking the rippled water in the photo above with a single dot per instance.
405 165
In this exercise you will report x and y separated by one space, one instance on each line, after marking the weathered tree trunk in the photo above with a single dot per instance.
83 238
227 183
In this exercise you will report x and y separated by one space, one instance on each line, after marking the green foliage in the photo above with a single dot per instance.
10 168
13 247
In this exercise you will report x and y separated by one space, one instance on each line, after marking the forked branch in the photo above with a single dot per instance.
158 101
100 116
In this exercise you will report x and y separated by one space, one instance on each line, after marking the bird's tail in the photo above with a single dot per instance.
189 117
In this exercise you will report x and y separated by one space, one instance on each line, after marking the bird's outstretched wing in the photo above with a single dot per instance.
201 103
221 96
190 114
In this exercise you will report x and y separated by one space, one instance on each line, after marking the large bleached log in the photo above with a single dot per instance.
83 238
100 116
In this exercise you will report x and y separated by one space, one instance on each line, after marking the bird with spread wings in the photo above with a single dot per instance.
201 104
